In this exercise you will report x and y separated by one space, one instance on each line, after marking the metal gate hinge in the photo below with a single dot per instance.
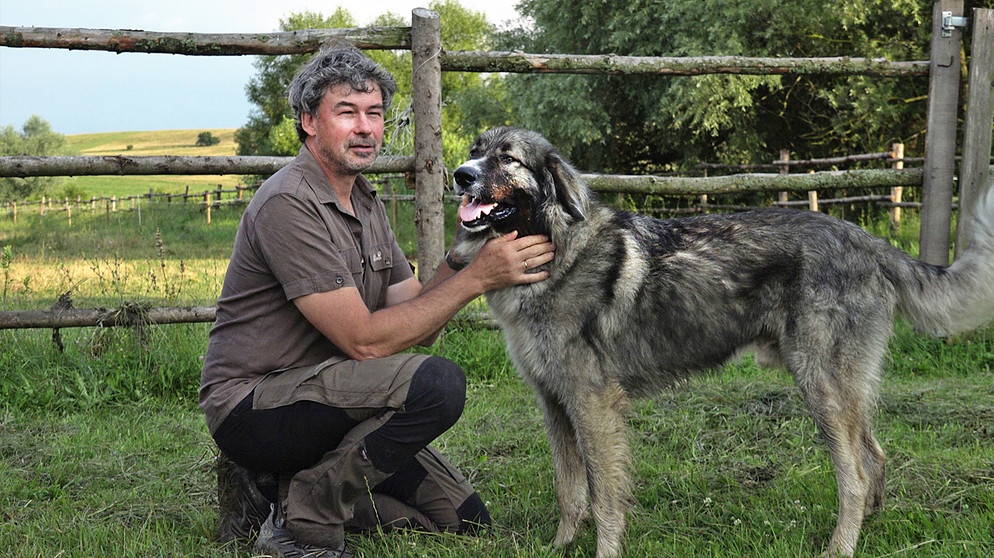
950 22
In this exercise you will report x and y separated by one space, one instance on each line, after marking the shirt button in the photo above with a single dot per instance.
339 281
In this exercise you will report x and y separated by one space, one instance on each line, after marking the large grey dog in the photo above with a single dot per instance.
634 304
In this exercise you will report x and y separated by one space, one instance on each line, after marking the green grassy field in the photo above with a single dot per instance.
103 451
143 144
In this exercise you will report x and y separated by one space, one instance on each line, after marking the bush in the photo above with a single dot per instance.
207 139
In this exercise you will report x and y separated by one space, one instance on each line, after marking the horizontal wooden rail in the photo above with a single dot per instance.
24 166
136 315
126 315
736 183
521 62
203 44
389 38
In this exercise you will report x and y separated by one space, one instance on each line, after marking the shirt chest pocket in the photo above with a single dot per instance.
378 270
379 258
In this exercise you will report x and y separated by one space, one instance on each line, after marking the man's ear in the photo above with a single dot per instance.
307 122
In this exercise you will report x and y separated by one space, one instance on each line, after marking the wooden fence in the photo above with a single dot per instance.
429 59
218 197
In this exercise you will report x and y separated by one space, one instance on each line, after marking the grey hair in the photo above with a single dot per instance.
340 64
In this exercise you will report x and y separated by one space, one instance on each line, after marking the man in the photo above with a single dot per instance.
304 376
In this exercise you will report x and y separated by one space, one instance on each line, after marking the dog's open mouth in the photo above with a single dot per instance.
476 214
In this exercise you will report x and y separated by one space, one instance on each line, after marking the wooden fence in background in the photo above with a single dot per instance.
218 197
429 59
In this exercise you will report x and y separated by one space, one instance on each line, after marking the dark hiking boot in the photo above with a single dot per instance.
241 499
275 542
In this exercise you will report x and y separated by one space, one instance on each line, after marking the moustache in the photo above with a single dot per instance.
369 142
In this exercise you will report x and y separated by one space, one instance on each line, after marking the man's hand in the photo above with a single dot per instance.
508 260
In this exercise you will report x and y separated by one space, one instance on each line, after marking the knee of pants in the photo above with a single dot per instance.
438 385
473 515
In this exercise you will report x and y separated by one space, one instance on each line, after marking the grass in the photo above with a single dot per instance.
103 450
143 144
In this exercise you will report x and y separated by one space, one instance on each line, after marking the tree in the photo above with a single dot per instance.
270 129
268 89
207 139
36 138
652 124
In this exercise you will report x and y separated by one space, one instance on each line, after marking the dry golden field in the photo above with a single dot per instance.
151 143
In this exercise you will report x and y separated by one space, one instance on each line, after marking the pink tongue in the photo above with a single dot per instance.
473 210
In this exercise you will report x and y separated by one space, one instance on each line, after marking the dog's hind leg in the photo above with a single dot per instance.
571 483
874 463
841 402
602 433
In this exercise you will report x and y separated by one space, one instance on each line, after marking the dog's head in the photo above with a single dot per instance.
515 180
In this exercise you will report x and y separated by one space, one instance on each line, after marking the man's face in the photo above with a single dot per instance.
346 132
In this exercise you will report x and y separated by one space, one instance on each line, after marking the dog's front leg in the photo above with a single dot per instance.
571 481
602 434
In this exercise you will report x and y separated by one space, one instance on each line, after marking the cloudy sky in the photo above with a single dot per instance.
96 91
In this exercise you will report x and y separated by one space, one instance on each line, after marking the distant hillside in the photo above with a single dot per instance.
161 142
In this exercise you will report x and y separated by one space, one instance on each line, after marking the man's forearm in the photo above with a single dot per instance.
442 273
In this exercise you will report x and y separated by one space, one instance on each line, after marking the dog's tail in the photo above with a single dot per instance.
941 300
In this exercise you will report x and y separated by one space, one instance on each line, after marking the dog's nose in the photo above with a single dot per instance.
465 176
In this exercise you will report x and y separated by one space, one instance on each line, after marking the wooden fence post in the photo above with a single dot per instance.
426 102
812 196
896 192
940 137
977 124
784 169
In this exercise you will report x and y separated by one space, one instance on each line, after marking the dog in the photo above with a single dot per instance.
634 304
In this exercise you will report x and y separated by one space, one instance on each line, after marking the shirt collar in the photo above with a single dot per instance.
363 191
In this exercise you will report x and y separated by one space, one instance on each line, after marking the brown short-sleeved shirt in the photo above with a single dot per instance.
293 240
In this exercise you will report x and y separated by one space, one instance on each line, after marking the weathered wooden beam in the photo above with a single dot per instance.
24 166
940 137
426 102
102 317
127 315
203 44
977 125
521 62
737 183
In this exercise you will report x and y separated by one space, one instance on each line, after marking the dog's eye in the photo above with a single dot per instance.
507 159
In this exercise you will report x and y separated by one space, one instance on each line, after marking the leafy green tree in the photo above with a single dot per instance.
36 138
653 124
268 89
207 139
270 127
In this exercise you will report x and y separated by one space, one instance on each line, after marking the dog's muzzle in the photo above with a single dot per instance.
475 213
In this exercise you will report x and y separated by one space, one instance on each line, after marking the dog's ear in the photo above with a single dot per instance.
569 189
